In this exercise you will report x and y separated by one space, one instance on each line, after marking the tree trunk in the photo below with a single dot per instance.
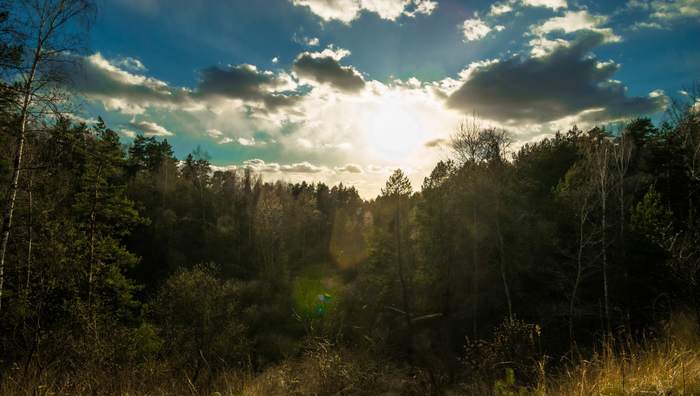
402 278
605 258
475 274
579 271
12 195
93 236
502 261
30 226
17 163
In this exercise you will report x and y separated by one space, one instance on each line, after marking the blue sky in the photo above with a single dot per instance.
347 90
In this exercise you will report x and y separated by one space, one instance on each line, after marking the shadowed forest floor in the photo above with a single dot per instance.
666 364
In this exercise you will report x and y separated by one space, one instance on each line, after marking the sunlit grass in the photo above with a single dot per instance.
669 365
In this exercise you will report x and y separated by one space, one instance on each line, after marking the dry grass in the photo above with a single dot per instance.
669 365
665 365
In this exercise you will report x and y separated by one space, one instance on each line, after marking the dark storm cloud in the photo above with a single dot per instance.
328 70
247 83
541 89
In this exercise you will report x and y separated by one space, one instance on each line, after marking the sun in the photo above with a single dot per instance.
393 132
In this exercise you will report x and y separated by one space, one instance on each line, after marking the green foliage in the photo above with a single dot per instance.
199 317
652 218
508 387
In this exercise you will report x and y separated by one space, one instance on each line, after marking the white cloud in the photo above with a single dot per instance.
311 41
248 142
348 10
84 120
676 9
130 63
500 9
301 167
213 132
570 22
646 25
118 89
259 165
475 29
662 14
553 4
305 40
127 133
149 128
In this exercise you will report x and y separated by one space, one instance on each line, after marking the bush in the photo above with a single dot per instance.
198 315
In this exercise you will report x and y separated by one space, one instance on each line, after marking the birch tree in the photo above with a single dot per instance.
45 31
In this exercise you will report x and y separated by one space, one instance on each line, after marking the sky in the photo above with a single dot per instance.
348 90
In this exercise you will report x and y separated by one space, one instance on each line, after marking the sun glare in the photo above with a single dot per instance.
393 132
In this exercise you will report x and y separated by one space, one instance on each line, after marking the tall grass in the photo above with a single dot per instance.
667 363
664 365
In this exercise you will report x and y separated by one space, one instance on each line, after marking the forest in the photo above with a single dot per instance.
566 266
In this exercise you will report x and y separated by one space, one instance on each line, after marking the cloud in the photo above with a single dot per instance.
433 143
348 10
339 116
507 6
128 133
500 9
565 82
132 93
118 89
325 68
221 139
259 165
647 25
475 29
574 21
214 133
149 128
130 63
301 167
84 120
247 83
250 142
553 4
350 168
304 40
676 9
664 13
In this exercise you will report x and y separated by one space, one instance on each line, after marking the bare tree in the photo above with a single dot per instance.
599 155
45 30
474 145
466 142
622 155
466 147
584 211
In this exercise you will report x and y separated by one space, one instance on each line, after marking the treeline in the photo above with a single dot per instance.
124 259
